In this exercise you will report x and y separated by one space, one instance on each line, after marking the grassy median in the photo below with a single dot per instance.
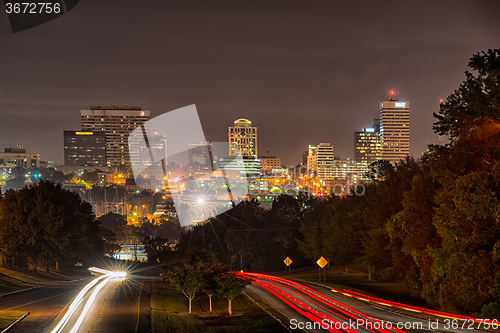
169 313
8 317
14 279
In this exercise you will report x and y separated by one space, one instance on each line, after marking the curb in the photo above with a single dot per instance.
269 313
15 322
45 285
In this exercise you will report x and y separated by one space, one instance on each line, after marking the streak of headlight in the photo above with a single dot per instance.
108 273
89 303
74 305
78 300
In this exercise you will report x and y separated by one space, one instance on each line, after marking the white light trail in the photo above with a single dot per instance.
74 305
89 303
108 273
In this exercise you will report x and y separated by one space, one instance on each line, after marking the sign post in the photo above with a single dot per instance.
288 262
321 263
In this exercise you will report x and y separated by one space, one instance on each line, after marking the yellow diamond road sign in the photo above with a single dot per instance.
287 261
322 262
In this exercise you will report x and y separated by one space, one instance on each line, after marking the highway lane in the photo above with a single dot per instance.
120 306
44 304
107 303
281 310
307 304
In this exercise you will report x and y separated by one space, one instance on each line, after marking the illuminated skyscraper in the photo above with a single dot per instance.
312 164
118 122
243 138
368 144
153 152
324 159
85 148
200 158
395 129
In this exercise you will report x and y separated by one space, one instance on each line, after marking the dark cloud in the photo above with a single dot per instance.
303 72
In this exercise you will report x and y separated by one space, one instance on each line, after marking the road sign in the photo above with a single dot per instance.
322 262
287 261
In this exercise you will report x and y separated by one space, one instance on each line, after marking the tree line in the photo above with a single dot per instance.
45 223
251 238
193 272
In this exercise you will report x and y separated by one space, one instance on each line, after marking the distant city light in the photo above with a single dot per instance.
369 129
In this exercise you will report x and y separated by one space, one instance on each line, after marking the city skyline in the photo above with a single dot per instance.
302 75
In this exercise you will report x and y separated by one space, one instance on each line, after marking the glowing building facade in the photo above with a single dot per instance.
368 144
312 164
243 138
395 129
200 158
85 148
324 159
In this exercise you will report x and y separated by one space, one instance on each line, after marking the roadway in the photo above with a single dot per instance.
106 303
318 309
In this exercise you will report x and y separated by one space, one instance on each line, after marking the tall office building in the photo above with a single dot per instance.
118 122
85 148
368 144
324 159
153 152
312 165
200 158
395 129
243 138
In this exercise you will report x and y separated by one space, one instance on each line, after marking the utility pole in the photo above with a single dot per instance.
105 201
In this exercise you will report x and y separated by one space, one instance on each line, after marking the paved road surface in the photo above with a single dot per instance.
300 305
44 304
111 304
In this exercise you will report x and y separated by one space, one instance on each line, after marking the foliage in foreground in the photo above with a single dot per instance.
192 273
46 222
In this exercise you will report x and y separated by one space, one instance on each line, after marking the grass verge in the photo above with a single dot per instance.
8 317
13 279
169 313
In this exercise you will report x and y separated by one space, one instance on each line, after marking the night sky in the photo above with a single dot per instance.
303 72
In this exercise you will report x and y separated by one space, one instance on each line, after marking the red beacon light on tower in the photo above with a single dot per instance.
393 95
